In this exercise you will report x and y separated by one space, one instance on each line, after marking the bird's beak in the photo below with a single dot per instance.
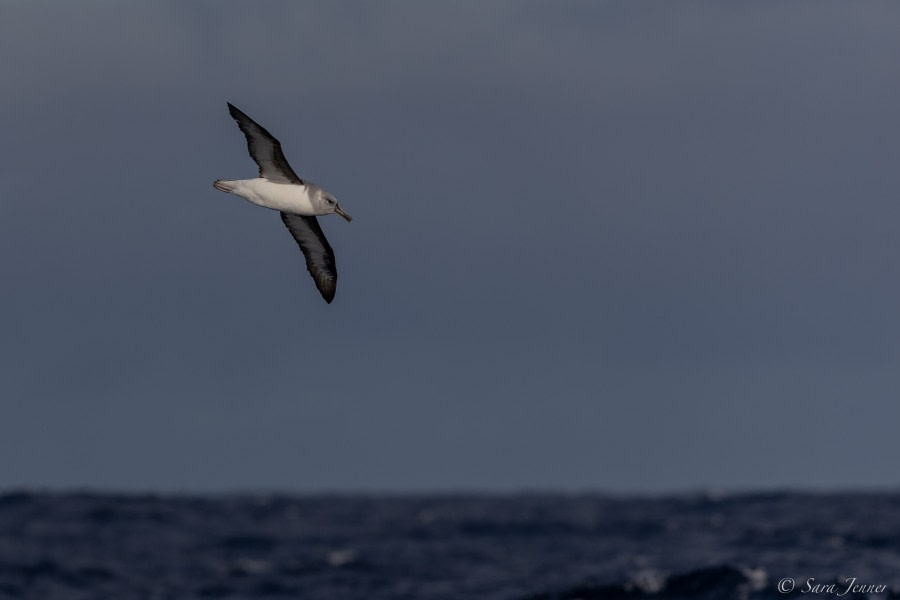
341 212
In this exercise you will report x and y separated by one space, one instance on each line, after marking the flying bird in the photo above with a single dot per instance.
299 201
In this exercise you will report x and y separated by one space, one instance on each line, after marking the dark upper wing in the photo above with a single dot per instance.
319 256
264 149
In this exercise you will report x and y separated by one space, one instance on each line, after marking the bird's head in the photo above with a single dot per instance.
330 204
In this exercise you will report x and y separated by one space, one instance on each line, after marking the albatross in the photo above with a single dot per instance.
299 201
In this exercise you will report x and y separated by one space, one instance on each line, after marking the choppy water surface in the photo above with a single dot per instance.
524 547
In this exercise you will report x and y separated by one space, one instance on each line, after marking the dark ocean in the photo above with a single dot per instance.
515 547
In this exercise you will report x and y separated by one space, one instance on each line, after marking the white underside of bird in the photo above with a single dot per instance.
287 197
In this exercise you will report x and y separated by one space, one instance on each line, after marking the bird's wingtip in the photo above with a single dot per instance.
328 292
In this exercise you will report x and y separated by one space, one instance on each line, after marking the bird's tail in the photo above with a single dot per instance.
223 185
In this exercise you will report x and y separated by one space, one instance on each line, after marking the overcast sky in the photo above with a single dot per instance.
613 246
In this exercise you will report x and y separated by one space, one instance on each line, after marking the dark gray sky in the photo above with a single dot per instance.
617 246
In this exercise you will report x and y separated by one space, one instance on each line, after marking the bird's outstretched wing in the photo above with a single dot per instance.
264 149
319 256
